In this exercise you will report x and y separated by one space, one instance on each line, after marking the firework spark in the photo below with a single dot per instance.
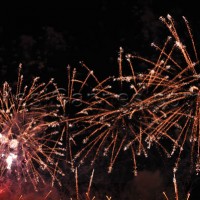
113 119
103 118
28 136
178 99
176 191
73 99
161 105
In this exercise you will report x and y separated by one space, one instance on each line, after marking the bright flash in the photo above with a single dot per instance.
14 144
3 139
9 160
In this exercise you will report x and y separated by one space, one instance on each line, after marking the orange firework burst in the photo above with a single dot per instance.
114 118
28 135
73 99
179 99
162 105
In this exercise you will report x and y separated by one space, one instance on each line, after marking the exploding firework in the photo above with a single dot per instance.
162 105
176 191
103 118
114 118
179 99
73 99
29 141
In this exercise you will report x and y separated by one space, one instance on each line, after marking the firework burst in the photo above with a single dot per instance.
178 99
73 99
162 106
28 136
114 118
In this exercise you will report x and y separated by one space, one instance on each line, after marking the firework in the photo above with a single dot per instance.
87 195
92 118
176 191
178 99
162 105
114 118
72 100
182 103
29 141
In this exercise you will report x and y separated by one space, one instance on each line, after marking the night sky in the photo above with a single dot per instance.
48 38
89 32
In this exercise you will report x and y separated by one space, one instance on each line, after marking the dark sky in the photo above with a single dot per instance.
92 31
84 31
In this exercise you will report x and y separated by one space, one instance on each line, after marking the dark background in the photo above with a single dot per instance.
46 38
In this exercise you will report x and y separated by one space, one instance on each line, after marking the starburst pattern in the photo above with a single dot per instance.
28 135
179 100
92 118
162 105
114 118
